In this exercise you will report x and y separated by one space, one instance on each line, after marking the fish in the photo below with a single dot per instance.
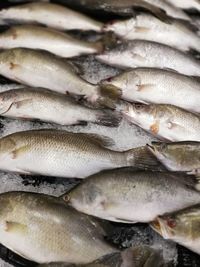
62 154
147 27
43 229
178 156
186 4
43 69
166 122
141 53
157 86
37 37
51 15
181 227
48 106
129 196
131 257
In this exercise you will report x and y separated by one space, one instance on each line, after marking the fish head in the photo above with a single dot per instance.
87 198
7 151
6 101
120 27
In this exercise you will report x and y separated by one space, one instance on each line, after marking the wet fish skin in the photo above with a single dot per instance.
37 37
149 85
48 106
140 53
178 156
49 14
181 227
43 229
147 27
42 69
165 121
129 197
131 257
186 4
63 154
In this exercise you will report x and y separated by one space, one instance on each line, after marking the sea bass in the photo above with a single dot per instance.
140 53
42 69
165 121
58 43
48 106
149 85
127 196
147 27
49 14
178 156
62 154
181 227
43 229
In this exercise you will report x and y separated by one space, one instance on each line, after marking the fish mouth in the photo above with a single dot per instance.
160 226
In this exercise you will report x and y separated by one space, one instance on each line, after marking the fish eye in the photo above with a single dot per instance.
66 198
139 106
171 223
109 79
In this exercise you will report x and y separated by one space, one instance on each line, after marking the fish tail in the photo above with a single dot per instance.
108 118
141 158
109 95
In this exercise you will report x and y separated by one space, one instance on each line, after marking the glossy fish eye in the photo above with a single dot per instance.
171 222
139 106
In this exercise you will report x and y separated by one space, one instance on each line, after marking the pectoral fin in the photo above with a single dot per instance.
154 128
20 151
15 227
143 87
141 29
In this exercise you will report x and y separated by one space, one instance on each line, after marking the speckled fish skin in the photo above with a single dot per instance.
181 227
48 106
129 197
147 27
186 4
36 37
131 257
178 156
63 154
43 229
42 69
165 121
49 14
140 53
149 85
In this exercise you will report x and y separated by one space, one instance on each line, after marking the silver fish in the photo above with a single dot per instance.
186 4
148 85
139 53
58 43
48 106
42 69
49 14
129 197
165 121
147 27
43 229
181 227
63 154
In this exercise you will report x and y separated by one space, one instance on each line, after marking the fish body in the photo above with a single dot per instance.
140 53
156 86
52 15
186 4
37 37
181 227
43 229
63 154
165 121
48 106
147 27
178 156
42 69
128 196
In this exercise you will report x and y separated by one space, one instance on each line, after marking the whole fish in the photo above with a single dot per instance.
149 85
44 105
36 37
129 197
43 229
62 154
49 14
178 156
181 227
186 4
42 69
131 257
140 53
147 27
165 121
